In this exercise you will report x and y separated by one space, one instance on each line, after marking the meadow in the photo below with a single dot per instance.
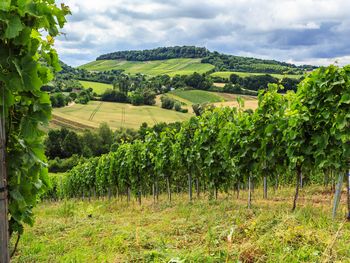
217 231
181 66
97 87
116 115
226 74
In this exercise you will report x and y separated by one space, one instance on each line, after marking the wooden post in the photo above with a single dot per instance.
139 194
348 193
128 193
265 187
190 187
168 188
299 183
4 224
249 192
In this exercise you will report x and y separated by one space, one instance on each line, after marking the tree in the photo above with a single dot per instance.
106 137
234 78
71 145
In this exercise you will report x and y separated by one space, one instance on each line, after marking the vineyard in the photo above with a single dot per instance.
295 139
258 181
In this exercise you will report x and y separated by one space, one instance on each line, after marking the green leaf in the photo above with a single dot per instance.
14 27
5 5
345 99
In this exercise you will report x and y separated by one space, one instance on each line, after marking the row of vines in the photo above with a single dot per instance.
302 136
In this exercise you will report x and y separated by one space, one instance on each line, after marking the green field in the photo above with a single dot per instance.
97 87
197 96
182 66
226 74
117 115
217 231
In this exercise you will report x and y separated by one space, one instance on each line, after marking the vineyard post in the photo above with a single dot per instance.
4 224
337 194
154 192
249 192
265 187
190 187
298 184
168 188
348 193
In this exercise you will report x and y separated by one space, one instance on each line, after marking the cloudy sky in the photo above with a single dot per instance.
298 31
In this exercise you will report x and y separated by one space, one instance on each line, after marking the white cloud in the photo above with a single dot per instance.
315 31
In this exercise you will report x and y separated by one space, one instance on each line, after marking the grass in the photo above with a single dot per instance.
226 74
197 96
117 115
181 66
217 231
97 87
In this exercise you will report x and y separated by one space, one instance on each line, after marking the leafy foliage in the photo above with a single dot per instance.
27 62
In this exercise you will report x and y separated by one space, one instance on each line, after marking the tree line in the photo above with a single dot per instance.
160 53
302 136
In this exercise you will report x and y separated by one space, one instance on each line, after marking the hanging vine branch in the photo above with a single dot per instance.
27 61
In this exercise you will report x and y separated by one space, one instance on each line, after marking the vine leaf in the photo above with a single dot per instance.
5 5
14 27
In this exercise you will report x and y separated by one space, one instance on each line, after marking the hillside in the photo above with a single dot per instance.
171 67
227 74
219 61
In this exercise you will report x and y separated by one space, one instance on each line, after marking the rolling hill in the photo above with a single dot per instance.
188 59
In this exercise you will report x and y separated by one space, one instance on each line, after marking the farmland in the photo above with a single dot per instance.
198 96
226 74
117 115
97 87
122 115
181 66
218 231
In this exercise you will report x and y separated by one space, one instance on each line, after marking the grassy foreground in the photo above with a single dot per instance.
217 231
181 66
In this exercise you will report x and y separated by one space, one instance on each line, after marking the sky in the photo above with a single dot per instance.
313 32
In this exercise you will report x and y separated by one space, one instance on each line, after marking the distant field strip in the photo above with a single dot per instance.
69 124
181 66
116 115
226 74
198 96
97 87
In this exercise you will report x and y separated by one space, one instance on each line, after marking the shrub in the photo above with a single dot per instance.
177 106
167 103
